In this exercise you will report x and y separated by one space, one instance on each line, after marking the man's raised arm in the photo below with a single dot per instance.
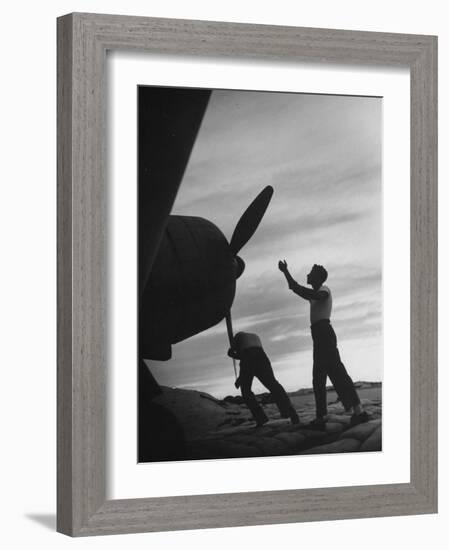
302 291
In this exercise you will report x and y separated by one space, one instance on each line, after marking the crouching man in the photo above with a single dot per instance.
254 362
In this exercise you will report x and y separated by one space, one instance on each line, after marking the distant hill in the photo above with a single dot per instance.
265 397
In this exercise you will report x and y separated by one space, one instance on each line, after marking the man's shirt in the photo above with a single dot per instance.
321 309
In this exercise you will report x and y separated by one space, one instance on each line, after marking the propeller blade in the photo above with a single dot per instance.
230 336
229 327
248 223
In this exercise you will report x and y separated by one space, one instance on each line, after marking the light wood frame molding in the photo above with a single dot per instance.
83 40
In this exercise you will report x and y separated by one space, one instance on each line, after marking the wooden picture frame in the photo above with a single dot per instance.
83 40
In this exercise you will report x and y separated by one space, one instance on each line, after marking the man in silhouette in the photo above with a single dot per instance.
326 357
254 362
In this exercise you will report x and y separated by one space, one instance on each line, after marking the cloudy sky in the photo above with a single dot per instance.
322 154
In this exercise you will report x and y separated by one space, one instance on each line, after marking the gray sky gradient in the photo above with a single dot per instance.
323 156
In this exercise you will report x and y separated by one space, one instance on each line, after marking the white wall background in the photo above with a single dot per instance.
28 244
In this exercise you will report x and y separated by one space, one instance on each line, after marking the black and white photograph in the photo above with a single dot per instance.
260 300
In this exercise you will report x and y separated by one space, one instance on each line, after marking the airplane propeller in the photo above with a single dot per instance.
244 230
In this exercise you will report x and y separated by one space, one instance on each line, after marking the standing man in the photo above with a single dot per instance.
326 357
254 362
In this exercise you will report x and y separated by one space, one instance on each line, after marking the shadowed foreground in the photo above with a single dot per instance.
215 428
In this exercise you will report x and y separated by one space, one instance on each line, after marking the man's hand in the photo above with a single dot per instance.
283 266
292 284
